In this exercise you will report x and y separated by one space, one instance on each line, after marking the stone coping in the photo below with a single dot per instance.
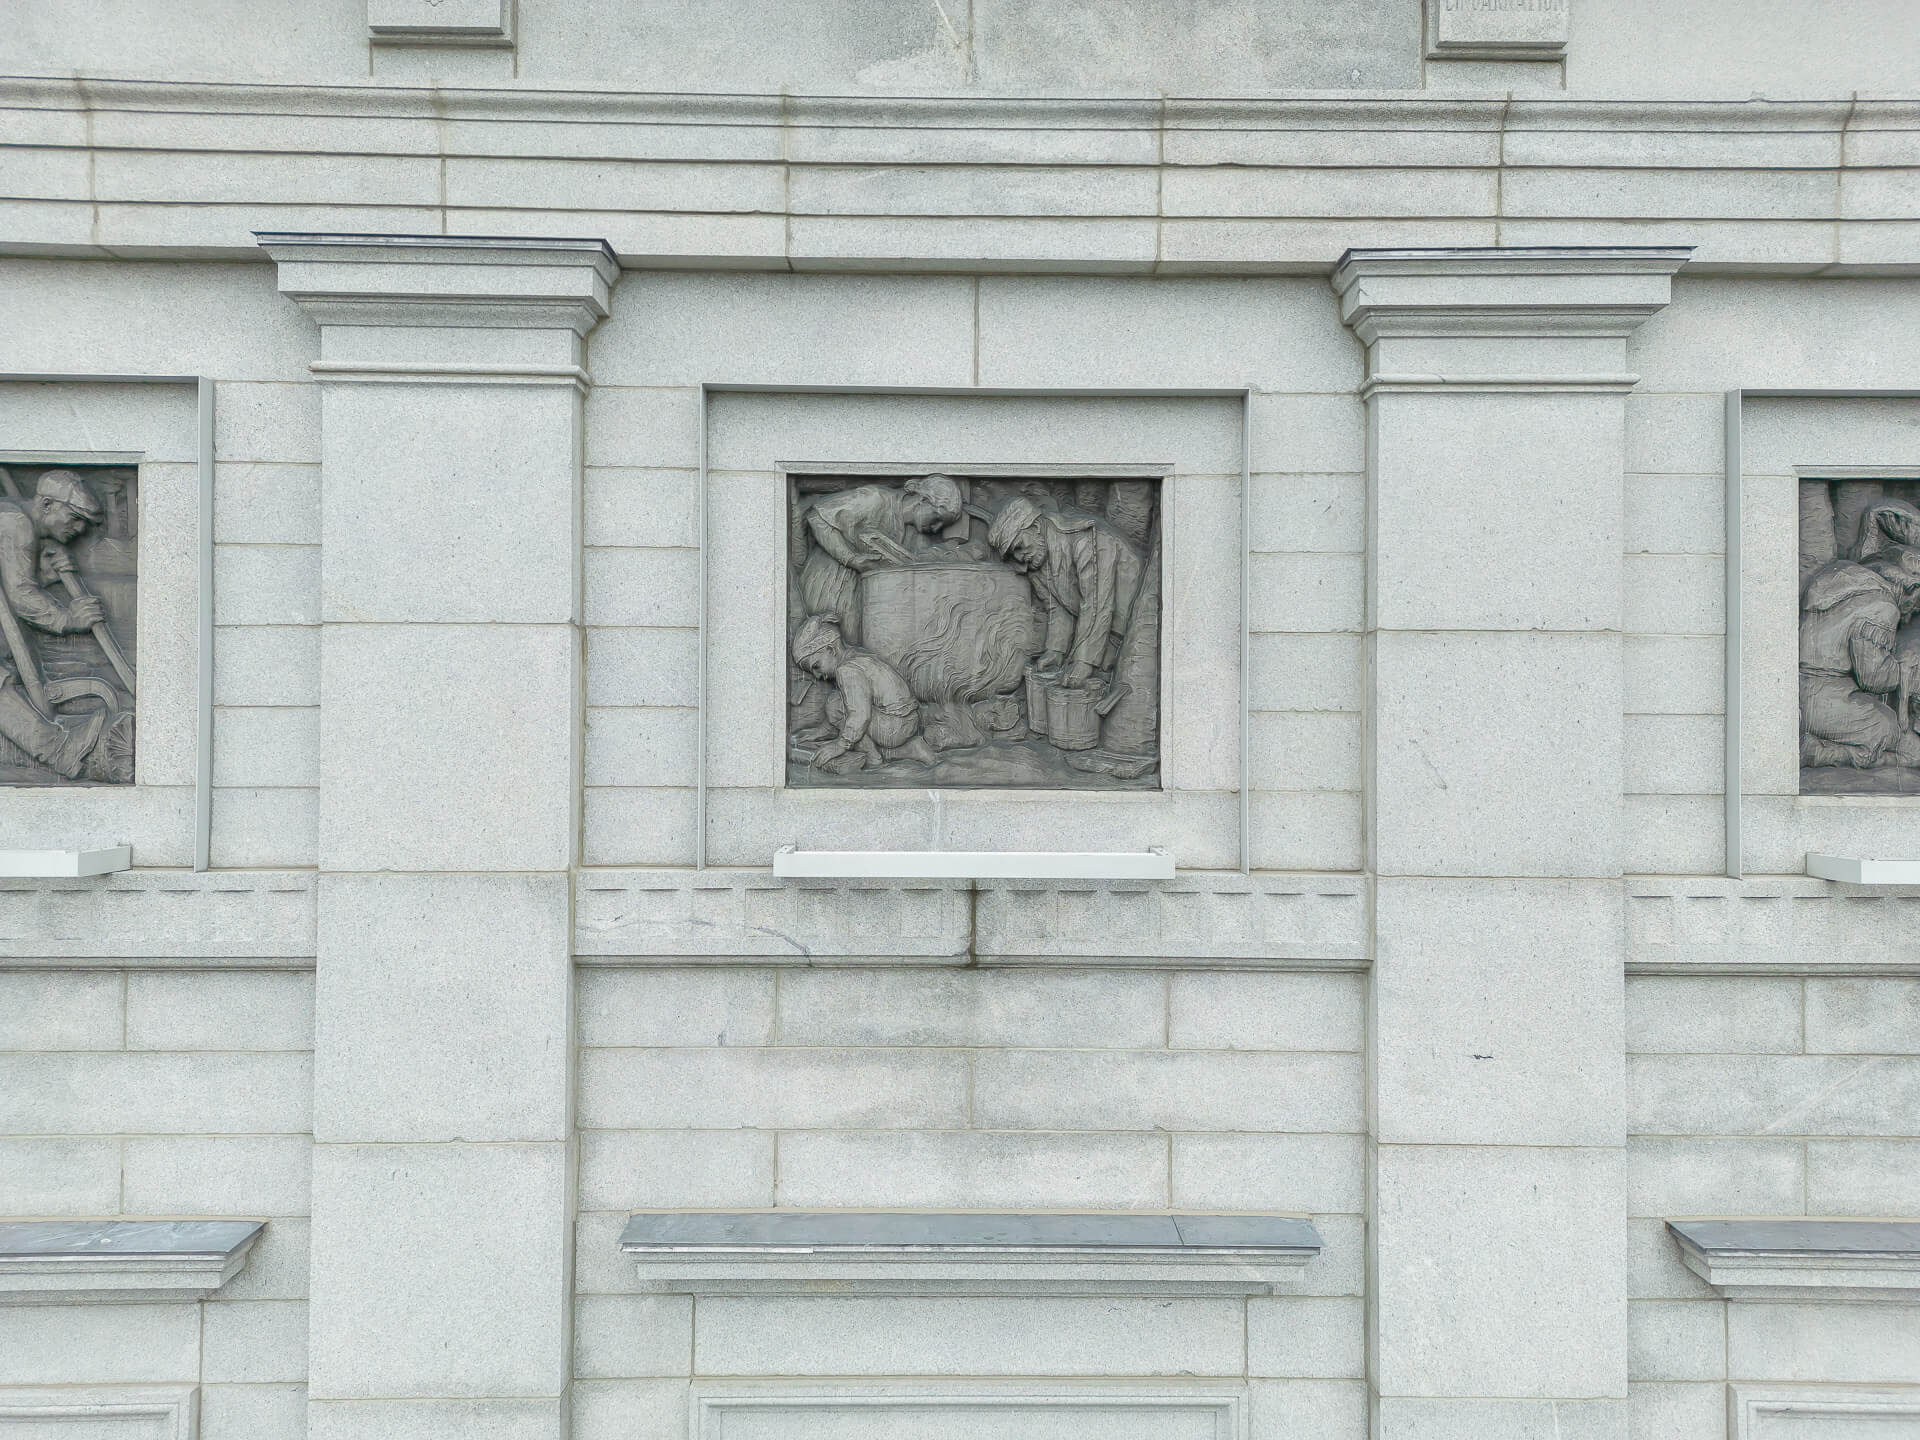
968 1252
46 1262
1789 1258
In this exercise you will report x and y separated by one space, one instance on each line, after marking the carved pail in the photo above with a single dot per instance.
956 631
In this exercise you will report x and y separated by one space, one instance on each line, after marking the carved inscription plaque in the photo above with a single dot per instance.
1499 29
966 631
1859 638
68 549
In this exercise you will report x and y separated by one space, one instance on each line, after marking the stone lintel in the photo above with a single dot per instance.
64 1262
1862 1261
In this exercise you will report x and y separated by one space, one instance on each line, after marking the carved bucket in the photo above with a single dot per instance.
1073 714
1037 702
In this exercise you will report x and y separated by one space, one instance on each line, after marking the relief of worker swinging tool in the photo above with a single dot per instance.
68 541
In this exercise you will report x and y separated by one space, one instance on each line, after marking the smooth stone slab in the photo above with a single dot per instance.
66 1261
978 1253
1795 1259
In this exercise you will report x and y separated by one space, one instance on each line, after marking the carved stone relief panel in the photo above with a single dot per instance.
69 541
1859 640
970 631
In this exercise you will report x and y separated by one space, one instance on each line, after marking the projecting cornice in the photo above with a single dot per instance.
1135 185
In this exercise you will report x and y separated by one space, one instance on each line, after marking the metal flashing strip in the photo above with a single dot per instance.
203 619
1851 871
789 863
64 864
1243 394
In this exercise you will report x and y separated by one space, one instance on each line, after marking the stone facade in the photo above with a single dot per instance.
1405 351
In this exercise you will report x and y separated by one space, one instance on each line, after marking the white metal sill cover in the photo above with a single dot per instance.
64 1262
1153 864
64 864
848 1252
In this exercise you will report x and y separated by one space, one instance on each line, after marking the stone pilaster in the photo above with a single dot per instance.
452 382
1495 395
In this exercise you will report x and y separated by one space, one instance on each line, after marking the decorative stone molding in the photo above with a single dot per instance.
160 917
1874 1261
1224 920
440 22
989 1410
1498 29
1786 1412
973 1253
139 1412
65 1262
1790 925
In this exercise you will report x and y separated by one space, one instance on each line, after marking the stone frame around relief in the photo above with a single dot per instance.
141 421
1089 809
1002 476
1770 435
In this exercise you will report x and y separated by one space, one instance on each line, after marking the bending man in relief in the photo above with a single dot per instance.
872 713
1851 663
58 514
838 524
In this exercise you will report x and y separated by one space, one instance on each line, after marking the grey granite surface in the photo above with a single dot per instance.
26 1240
856 1230
1794 1236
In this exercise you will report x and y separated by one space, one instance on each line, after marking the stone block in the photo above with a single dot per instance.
483 730
1304 750
630 666
599 1268
278 1264
1730 1015
637 826
150 915
1497 1012
271 746
1673 835
1269 1172
101 1093
1771 1095
252 1412
253 828
1266 1012
1666 1411
1676 1339
513 460
1063 1010
1197 828
623 1337
268 423
1444 702
621 1409
52 1011
674 1007
1299 1337
1182 1090
625 1170
258 1010
1877 1343
1668 1176
1308 433
439 1270
436 1419
1655 1270
1280 333
254 1342
681 329
1308 593
971 1170
771 1089
57 1177
1676 513
641 587
266 584
217 1175
266 665
1673 755
1862 1177
1306 672
972 1335
1307 830
98 1344
1675 433
1674 595
1675 675
641 427
1315 512
438 1031
642 747
1499 1270
257 503
1409 1418
1863 1017
627 506
1098 244
1306 1409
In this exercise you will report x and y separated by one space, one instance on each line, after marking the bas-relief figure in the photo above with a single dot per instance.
971 632
1859 641
67 593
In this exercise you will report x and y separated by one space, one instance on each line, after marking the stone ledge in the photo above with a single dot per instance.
966 1253
264 918
1787 925
1792 1259
1226 919
65 1262
158 1412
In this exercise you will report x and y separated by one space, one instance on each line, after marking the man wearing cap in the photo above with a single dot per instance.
872 712
61 509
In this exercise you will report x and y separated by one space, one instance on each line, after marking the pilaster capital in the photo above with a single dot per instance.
1552 317
446 280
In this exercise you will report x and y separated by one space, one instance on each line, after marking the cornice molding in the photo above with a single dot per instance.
67 1262
1793 1259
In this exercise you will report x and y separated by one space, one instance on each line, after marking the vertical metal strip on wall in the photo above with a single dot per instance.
1732 783
203 725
